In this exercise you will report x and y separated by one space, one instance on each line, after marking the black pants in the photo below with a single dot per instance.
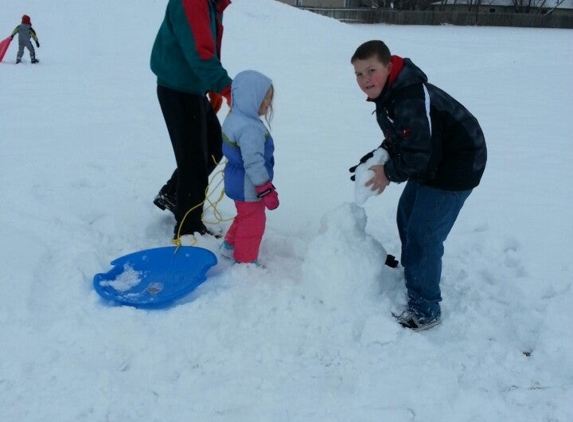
195 134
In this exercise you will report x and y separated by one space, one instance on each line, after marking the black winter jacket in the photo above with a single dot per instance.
430 136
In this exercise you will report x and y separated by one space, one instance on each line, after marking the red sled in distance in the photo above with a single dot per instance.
4 44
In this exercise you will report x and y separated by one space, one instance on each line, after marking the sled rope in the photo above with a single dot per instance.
212 204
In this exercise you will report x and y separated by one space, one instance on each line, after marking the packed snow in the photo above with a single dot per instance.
310 337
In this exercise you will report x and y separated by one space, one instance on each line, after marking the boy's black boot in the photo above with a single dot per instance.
34 60
18 61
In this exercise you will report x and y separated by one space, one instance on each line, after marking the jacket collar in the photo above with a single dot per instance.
221 5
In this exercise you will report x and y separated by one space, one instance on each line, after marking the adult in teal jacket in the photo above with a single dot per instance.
191 82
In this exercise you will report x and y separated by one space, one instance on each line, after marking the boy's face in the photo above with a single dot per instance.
371 75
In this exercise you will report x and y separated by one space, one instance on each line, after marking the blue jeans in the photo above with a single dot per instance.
425 217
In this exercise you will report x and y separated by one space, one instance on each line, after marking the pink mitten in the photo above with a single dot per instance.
268 195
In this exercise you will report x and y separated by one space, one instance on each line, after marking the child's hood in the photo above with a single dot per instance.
248 92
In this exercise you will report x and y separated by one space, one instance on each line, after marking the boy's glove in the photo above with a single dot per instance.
268 195
38 44
390 147
362 161
215 100
391 261
11 37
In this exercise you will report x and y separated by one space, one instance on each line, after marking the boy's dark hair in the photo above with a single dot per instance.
374 48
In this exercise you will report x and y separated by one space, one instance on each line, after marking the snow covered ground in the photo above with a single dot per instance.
311 337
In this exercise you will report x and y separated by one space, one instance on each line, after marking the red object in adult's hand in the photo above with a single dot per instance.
227 94
216 101
4 44
228 99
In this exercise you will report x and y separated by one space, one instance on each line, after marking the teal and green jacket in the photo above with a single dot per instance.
187 50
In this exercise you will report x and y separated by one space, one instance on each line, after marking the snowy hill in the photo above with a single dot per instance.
311 337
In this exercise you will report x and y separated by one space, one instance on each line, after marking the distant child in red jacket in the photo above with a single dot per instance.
25 33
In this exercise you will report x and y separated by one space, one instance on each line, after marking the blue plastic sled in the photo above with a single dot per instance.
155 278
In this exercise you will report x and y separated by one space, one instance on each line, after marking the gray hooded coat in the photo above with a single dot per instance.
247 144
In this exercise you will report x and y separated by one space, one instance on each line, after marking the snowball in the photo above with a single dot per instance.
363 174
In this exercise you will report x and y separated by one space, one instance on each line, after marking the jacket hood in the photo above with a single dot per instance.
26 20
404 73
407 74
248 92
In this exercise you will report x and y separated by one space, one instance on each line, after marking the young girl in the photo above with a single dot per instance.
249 149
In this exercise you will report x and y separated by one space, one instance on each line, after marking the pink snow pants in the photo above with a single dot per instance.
246 232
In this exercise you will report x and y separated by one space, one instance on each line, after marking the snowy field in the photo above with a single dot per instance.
311 337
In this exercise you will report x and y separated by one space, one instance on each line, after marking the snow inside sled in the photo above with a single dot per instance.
155 278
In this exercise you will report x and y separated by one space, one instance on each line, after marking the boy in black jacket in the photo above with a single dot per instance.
435 145
25 32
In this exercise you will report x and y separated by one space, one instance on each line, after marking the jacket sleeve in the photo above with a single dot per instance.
252 144
199 44
15 31
33 33
411 137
